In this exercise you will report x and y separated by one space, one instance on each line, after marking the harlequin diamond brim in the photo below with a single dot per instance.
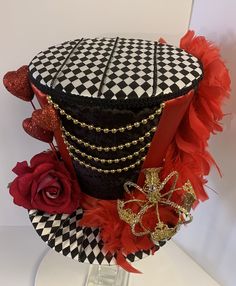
63 233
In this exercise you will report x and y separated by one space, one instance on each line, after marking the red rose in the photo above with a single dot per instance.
45 185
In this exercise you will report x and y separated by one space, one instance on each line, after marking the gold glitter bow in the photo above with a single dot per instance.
152 190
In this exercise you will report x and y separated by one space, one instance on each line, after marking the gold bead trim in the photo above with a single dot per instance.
106 130
106 171
105 161
108 149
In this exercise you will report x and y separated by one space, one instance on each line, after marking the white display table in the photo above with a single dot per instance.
170 266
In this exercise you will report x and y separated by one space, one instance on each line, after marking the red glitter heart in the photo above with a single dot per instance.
17 83
36 131
46 118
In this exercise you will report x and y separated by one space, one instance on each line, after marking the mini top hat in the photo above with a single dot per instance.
131 119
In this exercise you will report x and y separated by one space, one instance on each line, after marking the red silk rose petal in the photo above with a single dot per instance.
46 118
17 83
41 158
46 175
37 132
21 168
20 198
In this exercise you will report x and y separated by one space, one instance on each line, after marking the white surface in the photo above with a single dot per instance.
210 238
21 251
27 27
170 266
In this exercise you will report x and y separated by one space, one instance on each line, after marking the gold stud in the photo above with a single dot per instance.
136 153
151 117
126 169
113 148
136 124
99 149
106 130
141 139
116 160
86 144
75 121
92 147
129 127
106 149
109 161
82 124
148 134
135 142
89 157
144 121
120 147
114 130
127 145
62 112
130 157
98 129
121 129
113 171
90 127
68 117
103 161
123 159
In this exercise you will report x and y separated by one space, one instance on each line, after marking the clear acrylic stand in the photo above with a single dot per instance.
104 275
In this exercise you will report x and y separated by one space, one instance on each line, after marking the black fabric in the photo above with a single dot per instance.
99 185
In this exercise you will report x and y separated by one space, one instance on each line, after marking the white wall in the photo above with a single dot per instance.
28 26
211 238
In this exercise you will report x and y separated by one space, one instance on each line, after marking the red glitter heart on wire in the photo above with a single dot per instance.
46 118
17 83
36 131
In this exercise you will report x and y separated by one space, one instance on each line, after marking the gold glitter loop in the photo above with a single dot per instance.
153 198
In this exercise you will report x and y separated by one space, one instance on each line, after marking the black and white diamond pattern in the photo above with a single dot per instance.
115 69
176 69
63 233
45 65
85 67
130 73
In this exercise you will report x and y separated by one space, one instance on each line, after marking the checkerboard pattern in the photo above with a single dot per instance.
84 69
116 69
176 69
46 64
130 73
63 234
